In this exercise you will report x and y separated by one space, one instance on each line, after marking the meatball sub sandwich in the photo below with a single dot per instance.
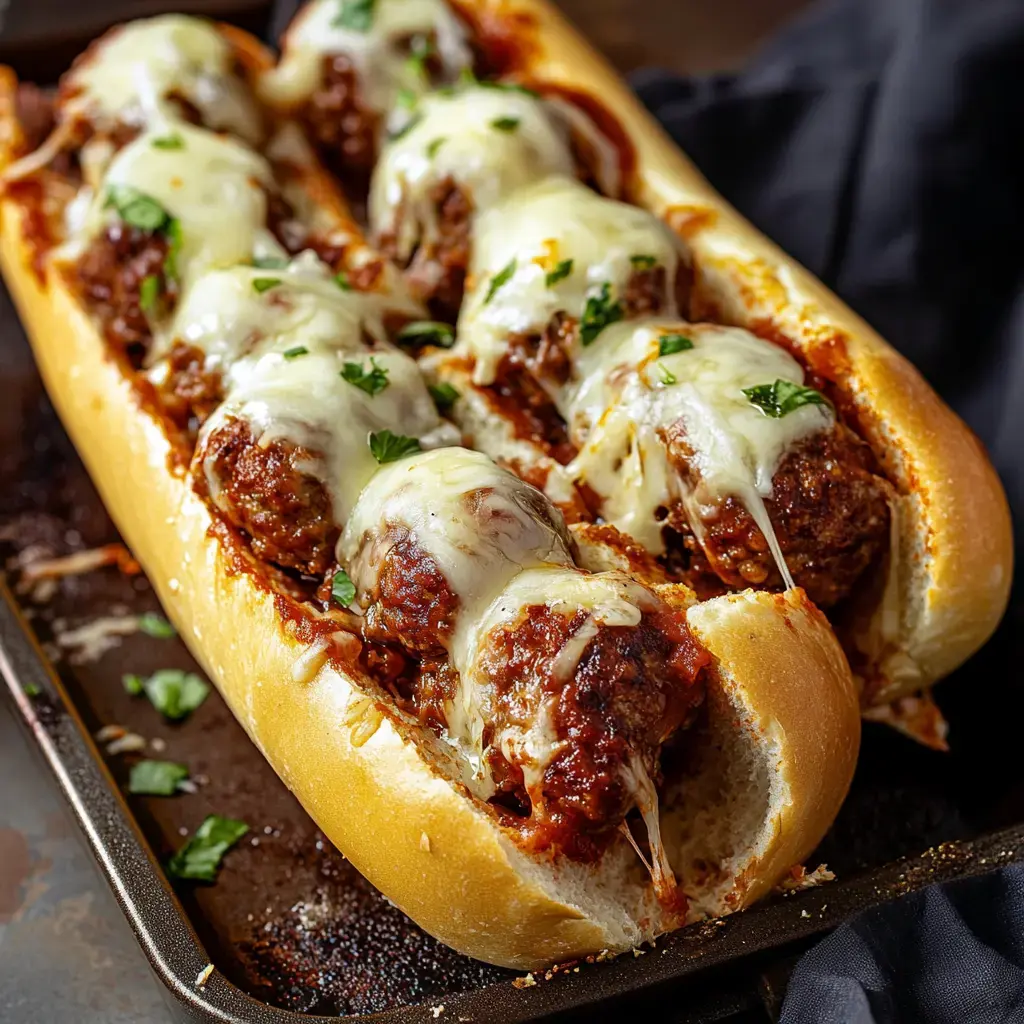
533 730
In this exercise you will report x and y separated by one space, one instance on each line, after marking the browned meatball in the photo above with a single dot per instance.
412 602
436 274
828 509
285 512
342 127
631 690
191 391
110 274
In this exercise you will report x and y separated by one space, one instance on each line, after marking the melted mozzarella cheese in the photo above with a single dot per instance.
305 401
503 548
212 185
231 313
380 59
539 226
480 546
621 400
452 135
130 73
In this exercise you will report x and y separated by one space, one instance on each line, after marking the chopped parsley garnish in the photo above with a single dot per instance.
563 268
294 353
491 83
372 381
136 208
172 691
500 278
341 280
269 262
427 332
406 99
140 211
172 141
420 50
343 590
388 447
263 284
435 145
666 375
598 313
156 778
32 690
781 398
404 130
174 239
642 261
132 683
444 395
149 293
355 14
505 124
670 344
155 625
199 859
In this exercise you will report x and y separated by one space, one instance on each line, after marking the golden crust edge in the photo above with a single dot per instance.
957 534
233 627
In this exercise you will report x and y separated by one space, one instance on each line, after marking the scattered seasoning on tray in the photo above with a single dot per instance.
199 859
526 982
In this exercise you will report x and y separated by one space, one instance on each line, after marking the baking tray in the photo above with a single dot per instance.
293 930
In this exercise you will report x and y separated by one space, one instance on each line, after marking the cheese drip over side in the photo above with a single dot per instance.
377 53
625 392
212 185
130 73
541 226
458 135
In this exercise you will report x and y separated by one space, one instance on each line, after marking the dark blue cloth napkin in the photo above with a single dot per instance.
881 143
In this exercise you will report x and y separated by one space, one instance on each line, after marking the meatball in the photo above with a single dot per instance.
191 392
412 603
338 121
263 490
436 274
632 689
829 511
109 275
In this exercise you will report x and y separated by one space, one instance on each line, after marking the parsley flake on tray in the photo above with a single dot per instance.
174 692
156 778
199 859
